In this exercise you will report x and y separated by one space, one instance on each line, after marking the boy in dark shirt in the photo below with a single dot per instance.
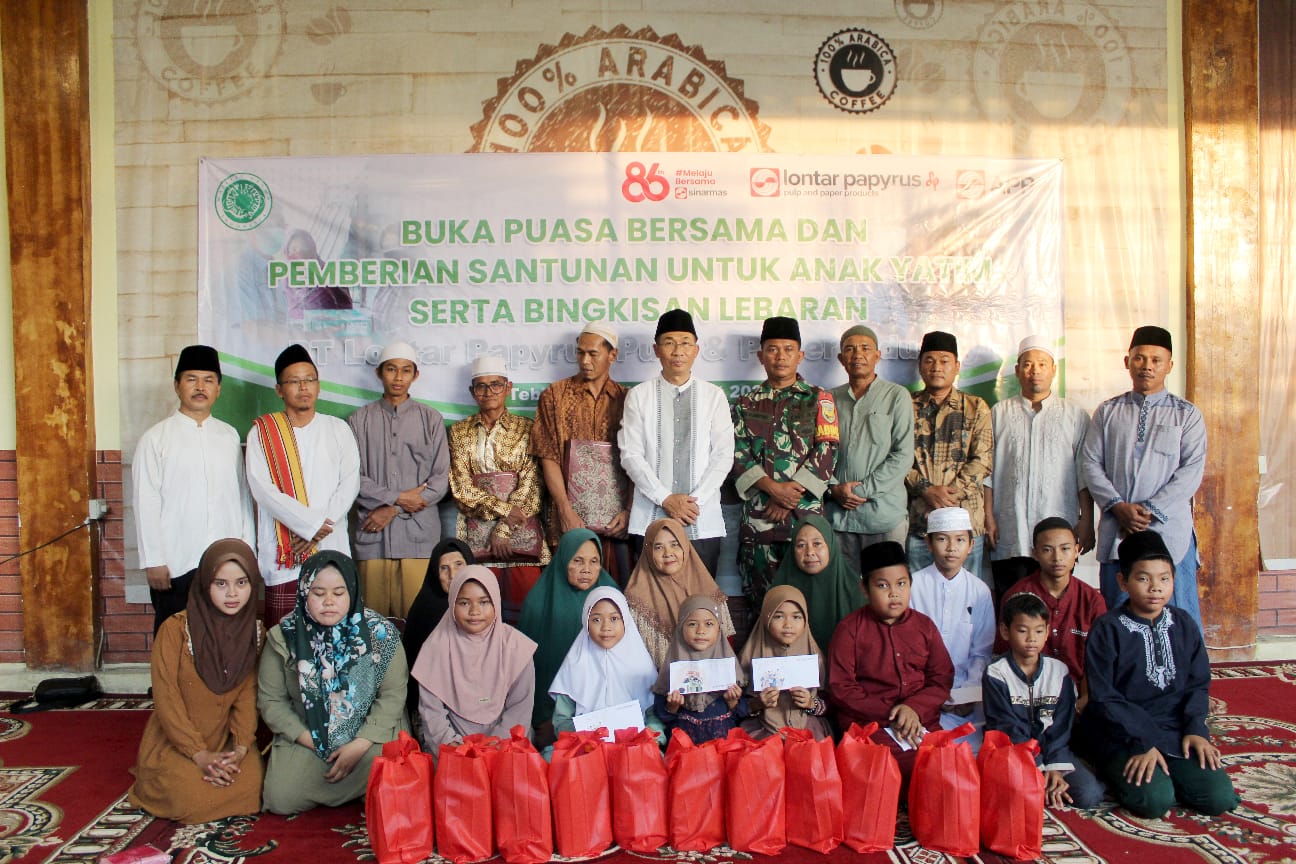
1149 690
1027 695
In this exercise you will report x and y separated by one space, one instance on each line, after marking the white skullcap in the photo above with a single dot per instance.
399 351
1035 343
488 365
949 519
602 330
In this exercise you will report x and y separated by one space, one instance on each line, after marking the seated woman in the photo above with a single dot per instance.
606 666
474 673
332 690
669 572
783 631
551 615
816 568
198 759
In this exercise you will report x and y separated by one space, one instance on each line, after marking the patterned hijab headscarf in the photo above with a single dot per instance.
654 596
680 650
551 615
832 593
225 647
761 644
339 667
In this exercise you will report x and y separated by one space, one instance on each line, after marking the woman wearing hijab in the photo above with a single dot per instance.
704 716
474 673
783 631
815 567
332 689
669 572
551 615
432 601
606 666
198 759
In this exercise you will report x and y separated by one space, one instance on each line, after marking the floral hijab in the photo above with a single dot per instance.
339 668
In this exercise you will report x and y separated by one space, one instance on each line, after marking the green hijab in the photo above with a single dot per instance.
551 615
832 593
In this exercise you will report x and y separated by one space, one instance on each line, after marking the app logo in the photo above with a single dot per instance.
764 183
969 183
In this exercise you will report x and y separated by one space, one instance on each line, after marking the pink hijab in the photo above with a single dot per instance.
472 674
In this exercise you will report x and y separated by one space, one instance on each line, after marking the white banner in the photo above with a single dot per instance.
465 255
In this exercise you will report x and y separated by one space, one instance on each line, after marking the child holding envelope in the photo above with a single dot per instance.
783 631
710 713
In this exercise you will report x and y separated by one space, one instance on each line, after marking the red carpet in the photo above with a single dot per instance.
64 778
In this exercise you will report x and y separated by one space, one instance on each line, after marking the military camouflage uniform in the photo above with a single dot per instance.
787 434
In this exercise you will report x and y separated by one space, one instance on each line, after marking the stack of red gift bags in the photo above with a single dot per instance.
756 795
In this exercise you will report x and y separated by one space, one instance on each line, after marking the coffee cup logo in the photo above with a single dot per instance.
209 52
855 70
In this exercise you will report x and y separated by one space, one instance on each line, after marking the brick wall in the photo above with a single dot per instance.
127 628
11 635
1277 603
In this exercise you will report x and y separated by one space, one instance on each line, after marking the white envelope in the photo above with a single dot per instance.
703 676
627 715
798 670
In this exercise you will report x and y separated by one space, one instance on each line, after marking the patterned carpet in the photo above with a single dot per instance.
63 777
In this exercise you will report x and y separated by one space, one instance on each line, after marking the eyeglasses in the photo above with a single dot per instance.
670 345
491 387
299 382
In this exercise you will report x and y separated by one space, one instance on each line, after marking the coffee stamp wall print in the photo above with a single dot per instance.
855 70
619 90
209 52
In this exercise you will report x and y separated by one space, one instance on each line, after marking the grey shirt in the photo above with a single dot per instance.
876 451
400 447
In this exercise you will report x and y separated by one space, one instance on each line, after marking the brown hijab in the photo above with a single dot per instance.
655 598
679 650
761 644
225 647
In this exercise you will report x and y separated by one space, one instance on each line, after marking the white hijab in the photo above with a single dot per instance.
595 677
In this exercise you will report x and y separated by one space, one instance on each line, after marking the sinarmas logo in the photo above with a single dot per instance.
243 201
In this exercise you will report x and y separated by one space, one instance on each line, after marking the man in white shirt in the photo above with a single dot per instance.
304 471
1037 467
189 486
677 443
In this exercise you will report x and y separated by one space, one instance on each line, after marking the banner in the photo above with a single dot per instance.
509 255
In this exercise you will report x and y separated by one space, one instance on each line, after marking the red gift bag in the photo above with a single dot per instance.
697 782
1012 797
579 789
756 817
640 790
461 799
870 779
945 794
814 792
398 803
520 798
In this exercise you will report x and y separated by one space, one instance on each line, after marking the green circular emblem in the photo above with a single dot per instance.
243 201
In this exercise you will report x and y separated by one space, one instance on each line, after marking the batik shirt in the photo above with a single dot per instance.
786 434
953 446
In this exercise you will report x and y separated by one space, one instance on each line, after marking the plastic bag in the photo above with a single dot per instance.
398 803
755 813
1012 797
697 783
461 799
814 792
520 798
871 781
945 794
582 800
640 791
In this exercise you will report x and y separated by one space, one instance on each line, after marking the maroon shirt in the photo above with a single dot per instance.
1070 618
873 667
